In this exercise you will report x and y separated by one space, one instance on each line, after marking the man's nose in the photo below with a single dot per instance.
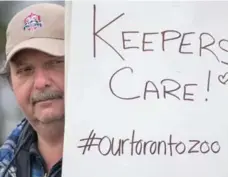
41 79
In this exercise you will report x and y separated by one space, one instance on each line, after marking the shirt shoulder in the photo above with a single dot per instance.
9 146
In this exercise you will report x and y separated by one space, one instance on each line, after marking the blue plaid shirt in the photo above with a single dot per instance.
7 151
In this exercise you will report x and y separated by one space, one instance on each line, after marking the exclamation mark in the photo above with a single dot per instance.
208 82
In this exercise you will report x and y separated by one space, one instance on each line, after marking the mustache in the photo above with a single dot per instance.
46 95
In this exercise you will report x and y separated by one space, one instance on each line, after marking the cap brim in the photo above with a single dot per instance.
54 47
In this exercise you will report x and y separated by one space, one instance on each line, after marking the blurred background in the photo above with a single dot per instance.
10 114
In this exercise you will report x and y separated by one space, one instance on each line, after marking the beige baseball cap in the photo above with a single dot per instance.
39 27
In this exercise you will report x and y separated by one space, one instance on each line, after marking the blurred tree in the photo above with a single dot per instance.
2 37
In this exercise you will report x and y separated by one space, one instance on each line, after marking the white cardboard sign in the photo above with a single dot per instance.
147 90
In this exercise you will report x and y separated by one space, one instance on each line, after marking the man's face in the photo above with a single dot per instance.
38 83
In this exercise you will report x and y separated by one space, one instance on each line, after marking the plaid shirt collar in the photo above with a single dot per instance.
37 163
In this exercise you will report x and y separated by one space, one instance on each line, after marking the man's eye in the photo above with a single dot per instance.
57 61
24 70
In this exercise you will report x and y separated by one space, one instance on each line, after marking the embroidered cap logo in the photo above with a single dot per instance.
32 22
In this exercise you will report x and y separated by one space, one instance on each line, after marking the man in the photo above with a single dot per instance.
35 64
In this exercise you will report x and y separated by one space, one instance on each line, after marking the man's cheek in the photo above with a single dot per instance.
23 99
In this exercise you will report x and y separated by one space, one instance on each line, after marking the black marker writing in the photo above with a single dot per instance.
185 44
132 146
96 33
126 40
171 38
111 84
167 38
176 35
146 41
206 47
208 82
170 88
89 142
